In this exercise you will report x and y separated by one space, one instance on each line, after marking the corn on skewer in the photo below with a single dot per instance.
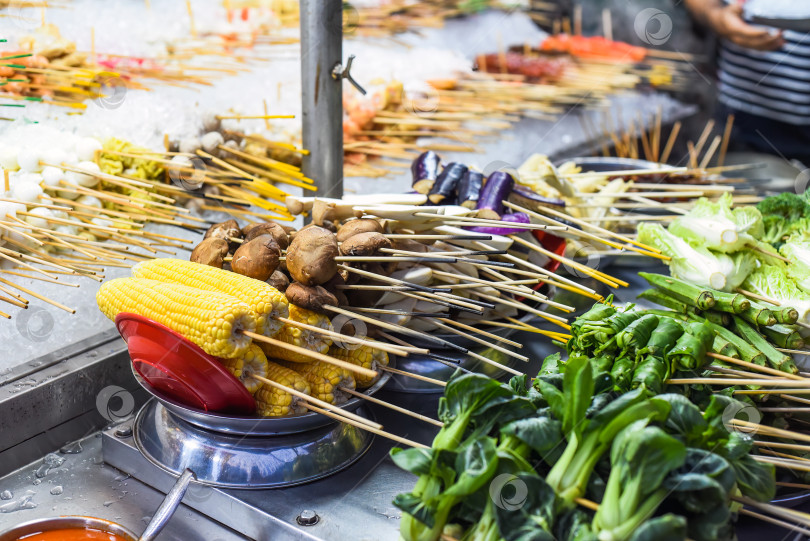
364 356
394 407
326 382
244 368
330 407
266 301
275 402
220 324
382 433
346 338
311 355
302 338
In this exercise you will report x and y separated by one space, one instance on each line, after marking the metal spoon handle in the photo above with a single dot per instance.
168 507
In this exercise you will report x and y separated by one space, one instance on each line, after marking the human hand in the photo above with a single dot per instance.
727 22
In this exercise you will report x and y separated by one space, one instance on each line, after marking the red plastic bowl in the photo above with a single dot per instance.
181 370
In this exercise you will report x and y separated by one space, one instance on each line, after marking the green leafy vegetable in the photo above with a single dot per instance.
714 225
696 264
783 215
773 282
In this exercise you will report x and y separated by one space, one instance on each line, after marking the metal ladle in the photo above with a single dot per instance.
168 507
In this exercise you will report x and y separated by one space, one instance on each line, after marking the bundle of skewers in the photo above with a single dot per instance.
72 205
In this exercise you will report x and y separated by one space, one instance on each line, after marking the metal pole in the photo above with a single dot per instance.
322 94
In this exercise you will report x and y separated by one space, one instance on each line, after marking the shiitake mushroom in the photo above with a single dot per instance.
311 256
257 258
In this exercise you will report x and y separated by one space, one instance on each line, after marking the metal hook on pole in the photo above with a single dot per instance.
339 72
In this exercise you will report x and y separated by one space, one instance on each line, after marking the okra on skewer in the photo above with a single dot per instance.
783 336
777 360
661 298
759 314
685 292
748 352
730 302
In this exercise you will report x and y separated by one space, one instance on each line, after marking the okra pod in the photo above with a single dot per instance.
758 315
683 291
721 346
659 297
748 352
783 336
730 302
786 315
777 360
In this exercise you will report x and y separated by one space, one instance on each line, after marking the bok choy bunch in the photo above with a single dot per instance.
715 226
697 264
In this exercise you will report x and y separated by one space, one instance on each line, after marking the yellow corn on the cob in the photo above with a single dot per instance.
244 368
301 337
265 300
325 380
272 402
364 356
210 320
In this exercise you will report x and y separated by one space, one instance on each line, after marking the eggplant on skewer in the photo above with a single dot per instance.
495 191
425 171
444 187
469 189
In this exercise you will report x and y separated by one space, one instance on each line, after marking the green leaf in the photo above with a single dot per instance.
684 419
668 527
540 433
475 466
415 460
578 389
527 511
414 506
755 479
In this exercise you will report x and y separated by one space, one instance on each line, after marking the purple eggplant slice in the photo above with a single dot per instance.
445 185
495 191
469 189
425 170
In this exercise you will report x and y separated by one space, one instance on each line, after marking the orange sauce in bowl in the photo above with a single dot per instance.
73 534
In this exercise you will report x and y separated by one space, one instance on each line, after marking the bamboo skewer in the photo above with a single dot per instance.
318 402
756 367
373 430
479 340
309 353
345 338
393 407
426 379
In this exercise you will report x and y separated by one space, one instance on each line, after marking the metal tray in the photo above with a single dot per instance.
255 425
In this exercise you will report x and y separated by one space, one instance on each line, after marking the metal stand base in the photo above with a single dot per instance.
352 504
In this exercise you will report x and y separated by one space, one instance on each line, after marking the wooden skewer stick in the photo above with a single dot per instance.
771 431
482 332
723 381
309 353
345 338
252 117
601 230
756 367
794 351
792 485
593 273
382 433
382 278
32 277
480 341
15 302
782 445
327 405
774 391
758 297
783 463
774 521
539 270
38 296
782 512
393 407
438 382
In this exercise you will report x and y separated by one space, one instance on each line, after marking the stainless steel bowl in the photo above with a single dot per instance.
600 164
254 425
61 523
249 461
